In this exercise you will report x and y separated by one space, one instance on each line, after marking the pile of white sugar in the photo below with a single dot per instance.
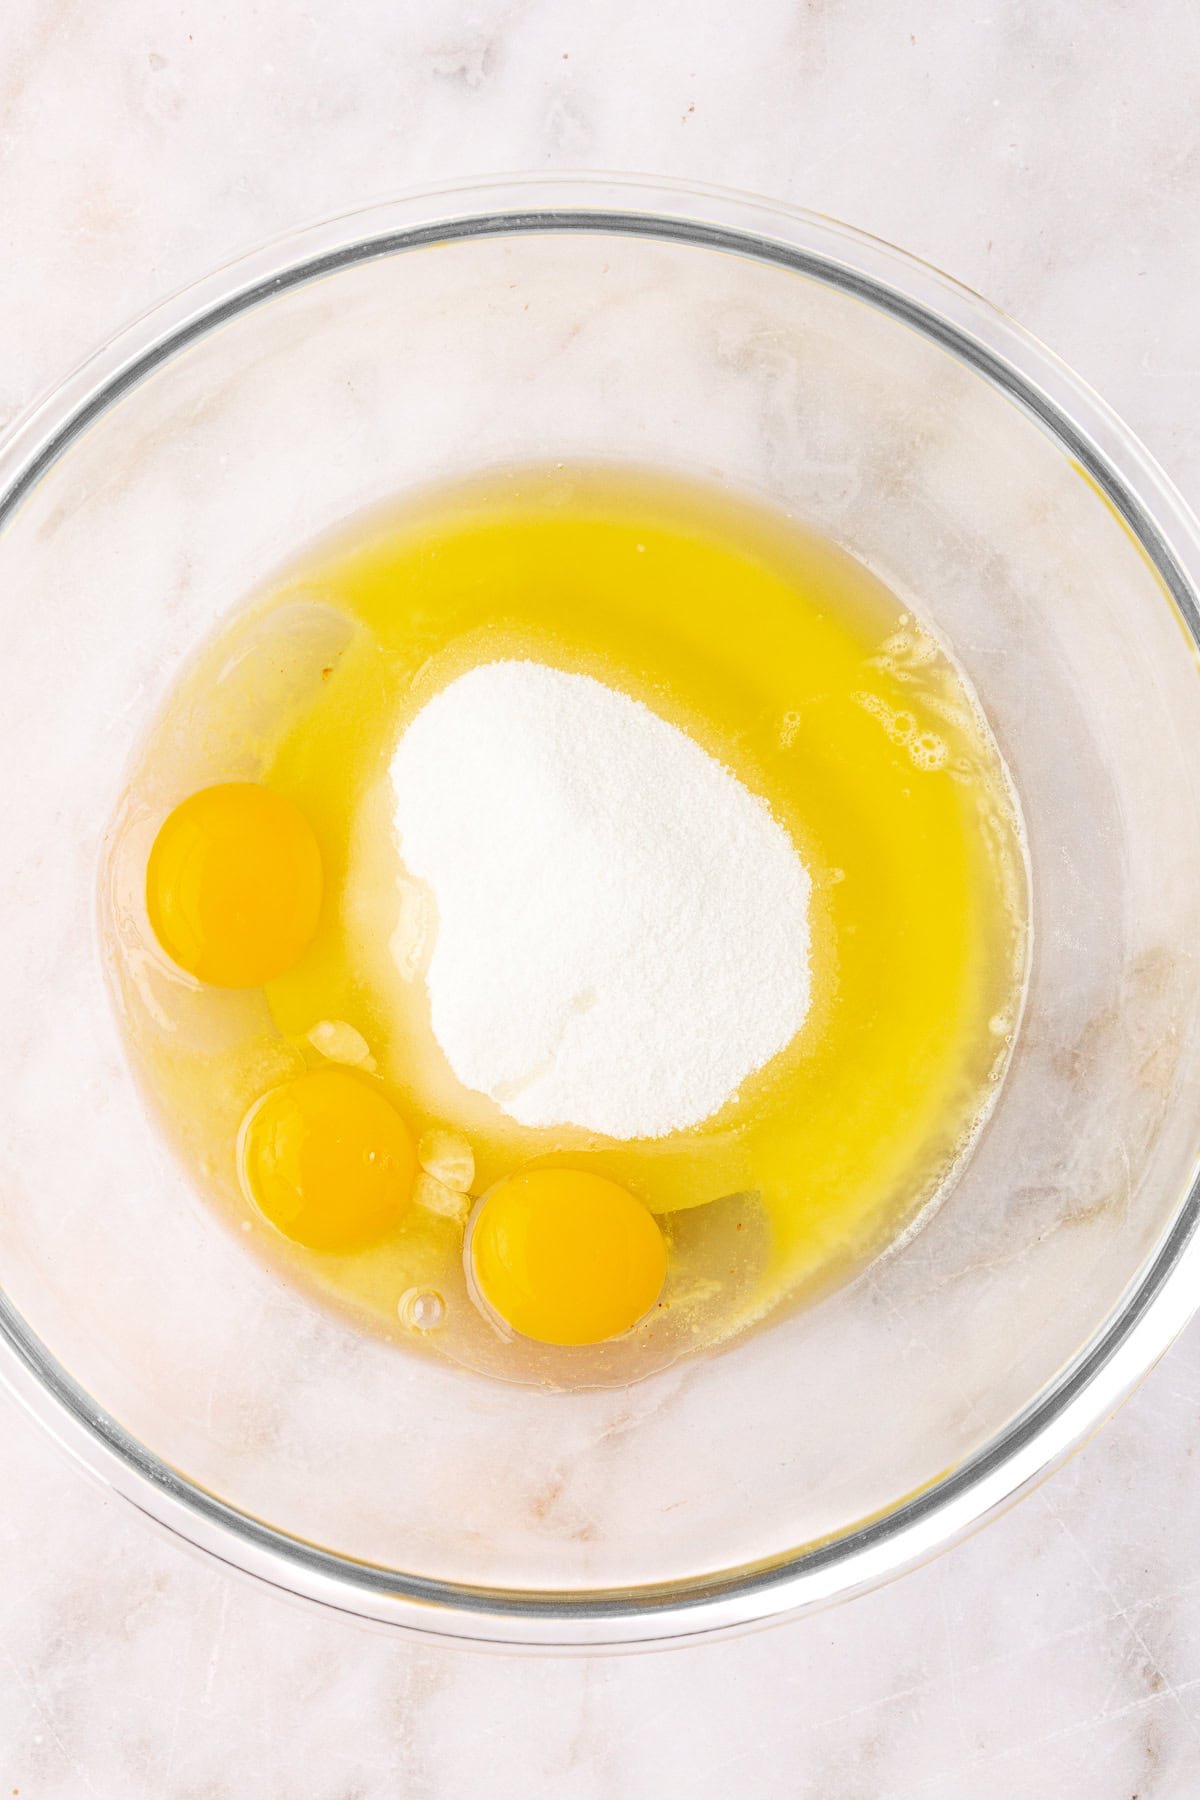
622 927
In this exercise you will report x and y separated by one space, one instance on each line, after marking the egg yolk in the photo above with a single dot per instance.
233 885
566 1257
328 1160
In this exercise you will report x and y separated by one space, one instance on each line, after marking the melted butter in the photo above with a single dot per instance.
791 665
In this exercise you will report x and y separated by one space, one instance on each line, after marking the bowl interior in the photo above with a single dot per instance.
536 344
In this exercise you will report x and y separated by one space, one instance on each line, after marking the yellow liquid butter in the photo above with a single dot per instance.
792 666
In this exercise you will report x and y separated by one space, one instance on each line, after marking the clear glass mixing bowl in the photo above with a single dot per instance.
789 356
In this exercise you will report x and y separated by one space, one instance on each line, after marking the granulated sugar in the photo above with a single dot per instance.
622 927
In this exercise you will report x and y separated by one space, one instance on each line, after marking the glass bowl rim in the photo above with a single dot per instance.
1158 1302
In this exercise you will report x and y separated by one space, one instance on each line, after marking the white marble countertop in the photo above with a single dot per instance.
1050 156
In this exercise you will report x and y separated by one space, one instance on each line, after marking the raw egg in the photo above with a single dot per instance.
566 1257
328 1160
233 885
